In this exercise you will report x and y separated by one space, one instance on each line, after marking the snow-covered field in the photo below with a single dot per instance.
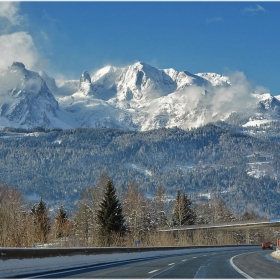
15 267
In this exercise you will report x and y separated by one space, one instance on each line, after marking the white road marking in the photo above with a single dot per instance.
153 271
171 263
169 268
239 270
184 260
194 257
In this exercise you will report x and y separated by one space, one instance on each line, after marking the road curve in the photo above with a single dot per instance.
215 263
258 264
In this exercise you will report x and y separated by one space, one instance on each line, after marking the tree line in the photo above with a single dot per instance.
105 216
58 164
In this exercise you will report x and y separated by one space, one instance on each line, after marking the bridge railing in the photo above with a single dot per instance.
233 223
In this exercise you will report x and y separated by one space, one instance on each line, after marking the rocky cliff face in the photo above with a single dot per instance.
85 85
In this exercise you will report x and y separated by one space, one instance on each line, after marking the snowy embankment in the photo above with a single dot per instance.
276 254
20 267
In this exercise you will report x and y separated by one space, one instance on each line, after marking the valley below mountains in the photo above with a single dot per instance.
209 161
207 134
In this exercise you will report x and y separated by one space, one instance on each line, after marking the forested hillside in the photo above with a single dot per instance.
58 164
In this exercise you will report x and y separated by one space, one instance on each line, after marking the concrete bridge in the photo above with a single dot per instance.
232 226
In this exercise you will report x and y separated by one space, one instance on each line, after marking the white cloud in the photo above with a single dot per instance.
215 19
237 97
9 11
18 46
254 10
203 104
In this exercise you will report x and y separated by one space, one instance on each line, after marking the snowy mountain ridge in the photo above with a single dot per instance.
137 97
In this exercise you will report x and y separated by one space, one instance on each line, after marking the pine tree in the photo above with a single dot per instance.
109 217
41 220
183 213
189 216
61 222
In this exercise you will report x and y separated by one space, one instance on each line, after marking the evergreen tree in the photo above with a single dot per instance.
109 217
41 220
189 216
183 213
61 222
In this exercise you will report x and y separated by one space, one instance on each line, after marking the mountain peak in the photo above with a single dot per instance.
141 81
85 85
26 99
138 96
143 66
85 77
18 65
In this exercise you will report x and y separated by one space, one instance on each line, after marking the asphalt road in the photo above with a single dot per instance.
258 264
249 263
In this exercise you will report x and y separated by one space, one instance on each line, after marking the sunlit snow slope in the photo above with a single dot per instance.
136 97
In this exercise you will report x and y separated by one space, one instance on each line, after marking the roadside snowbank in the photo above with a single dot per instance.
275 254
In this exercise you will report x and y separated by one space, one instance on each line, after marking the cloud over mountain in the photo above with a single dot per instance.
16 43
18 46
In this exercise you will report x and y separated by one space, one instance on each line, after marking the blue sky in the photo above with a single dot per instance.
66 38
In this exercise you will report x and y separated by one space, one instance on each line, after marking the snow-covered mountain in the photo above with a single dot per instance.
136 97
26 100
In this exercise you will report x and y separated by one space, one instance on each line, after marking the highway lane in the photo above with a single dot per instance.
258 264
209 264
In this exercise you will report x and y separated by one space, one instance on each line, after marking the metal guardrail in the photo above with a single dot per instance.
27 253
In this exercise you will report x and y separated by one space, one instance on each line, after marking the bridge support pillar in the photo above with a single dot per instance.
247 236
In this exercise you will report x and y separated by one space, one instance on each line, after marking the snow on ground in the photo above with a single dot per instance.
139 169
256 122
58 141
256 173
21 135
184 167
15 267
276 254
